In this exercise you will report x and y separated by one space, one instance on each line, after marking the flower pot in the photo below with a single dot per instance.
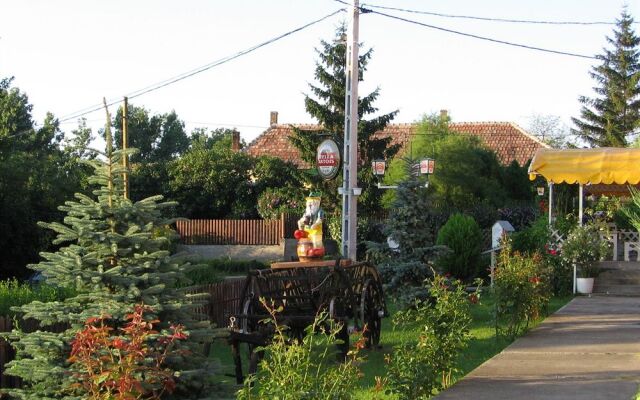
585 285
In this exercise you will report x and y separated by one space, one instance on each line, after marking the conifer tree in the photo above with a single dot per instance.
411 228
608 120
115 256
327 106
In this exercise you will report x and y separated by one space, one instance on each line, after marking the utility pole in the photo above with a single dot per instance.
125 157
349 189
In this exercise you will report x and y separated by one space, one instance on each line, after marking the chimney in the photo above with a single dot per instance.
273 120
235 140
444 115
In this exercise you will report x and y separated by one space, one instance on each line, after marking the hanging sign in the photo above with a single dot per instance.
427 165
328 159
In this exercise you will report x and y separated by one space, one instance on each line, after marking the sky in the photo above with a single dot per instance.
66 55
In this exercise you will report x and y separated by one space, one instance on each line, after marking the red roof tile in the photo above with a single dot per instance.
506 139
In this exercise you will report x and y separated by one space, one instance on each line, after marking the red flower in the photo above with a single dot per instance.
473 298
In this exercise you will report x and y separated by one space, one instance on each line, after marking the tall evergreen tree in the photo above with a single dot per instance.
407 257
327 106
608 120
115 256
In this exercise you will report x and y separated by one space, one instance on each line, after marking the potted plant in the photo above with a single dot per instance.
584 248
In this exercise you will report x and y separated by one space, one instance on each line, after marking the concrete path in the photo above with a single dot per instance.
590 349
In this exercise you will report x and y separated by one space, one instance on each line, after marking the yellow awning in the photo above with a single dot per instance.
601 165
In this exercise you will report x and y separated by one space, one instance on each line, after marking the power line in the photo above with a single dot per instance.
196 71
564 53
520 21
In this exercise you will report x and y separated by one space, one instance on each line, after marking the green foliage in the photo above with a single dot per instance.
419 370
213 183
412 226
608 119
305 369
111 256
632 209
273 202
561 272
14 293
36 175
584 248
532 239
466 172
159 138
522 291
326 105
273 173
127 364
462 235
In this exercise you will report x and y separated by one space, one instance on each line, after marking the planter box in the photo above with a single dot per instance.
585 285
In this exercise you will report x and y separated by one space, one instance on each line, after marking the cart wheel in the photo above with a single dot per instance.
371 308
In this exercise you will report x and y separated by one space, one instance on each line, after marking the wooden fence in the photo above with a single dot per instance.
236 231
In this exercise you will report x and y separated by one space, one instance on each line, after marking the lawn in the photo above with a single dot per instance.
482 346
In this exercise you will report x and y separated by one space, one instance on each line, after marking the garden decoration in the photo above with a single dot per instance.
309 233
350 293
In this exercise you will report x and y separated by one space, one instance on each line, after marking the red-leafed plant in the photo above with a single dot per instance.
127 365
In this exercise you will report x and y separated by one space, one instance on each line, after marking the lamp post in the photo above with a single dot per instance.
425 166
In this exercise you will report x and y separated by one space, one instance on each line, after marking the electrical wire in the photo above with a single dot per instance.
196 71
519 21
564 53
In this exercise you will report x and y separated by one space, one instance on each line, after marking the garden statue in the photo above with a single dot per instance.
309 233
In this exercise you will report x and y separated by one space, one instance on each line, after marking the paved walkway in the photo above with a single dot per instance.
590 349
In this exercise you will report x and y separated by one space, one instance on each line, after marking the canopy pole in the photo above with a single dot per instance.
580 200
550 202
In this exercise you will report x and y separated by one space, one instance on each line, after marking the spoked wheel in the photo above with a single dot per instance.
250 326
371 312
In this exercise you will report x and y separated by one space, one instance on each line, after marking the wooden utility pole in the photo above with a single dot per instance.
125 157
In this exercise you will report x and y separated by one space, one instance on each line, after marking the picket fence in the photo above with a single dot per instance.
236 231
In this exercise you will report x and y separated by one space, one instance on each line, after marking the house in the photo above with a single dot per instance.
506 139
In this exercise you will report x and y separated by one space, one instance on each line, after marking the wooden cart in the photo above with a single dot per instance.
350 293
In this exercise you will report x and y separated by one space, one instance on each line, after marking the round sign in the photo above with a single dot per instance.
328 159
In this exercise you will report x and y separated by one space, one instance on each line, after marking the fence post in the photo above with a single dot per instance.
282 227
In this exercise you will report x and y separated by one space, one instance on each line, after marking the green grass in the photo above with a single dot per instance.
483 346
213 271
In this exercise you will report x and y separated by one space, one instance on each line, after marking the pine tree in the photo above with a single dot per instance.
609 119
328 108
411 225
114 255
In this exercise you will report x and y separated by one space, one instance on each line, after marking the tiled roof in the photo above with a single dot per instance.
506 139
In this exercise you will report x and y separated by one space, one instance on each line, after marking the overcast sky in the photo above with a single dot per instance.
68 54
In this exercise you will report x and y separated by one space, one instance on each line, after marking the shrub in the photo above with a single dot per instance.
419 370
305 369
14 293
275 201
561 272
522 291
463 237
128 365
584 248
533 238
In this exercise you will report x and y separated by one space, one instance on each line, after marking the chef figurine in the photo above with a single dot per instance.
310 226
